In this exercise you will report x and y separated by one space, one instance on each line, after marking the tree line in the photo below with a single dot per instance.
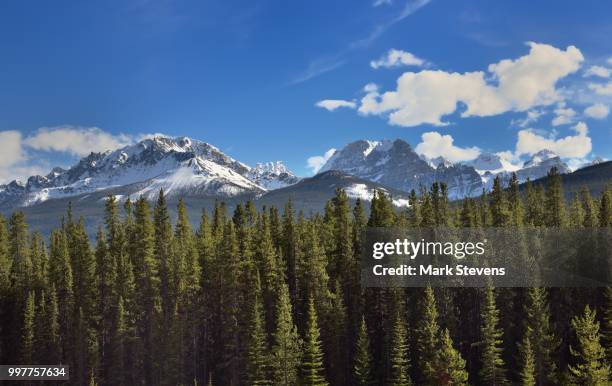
260 297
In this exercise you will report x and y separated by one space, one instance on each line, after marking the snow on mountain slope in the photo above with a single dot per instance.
178 165
272 175
363 192
396 164
540 164
493 163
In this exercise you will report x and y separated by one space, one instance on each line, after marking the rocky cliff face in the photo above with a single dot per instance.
396 164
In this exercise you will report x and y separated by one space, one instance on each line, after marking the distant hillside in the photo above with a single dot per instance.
594 177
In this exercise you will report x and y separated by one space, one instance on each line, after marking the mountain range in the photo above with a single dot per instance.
201 173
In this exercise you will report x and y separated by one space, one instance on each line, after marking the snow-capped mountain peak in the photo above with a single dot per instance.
397 165
181 166
539 157
272 175
487 161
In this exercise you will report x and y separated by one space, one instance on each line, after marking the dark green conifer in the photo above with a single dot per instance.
362 368
540 332
258 360
286 348
527 373
312 371
399 362
492 371
26 347
427 338
590 365
450 364
554 204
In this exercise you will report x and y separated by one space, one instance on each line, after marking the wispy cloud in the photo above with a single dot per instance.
319 67
378 3
328 63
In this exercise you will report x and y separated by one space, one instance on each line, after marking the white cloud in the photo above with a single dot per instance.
572 146
601 89
316 162
13 158
597 111
20 157
397 58
576 163
78 141
12 151
433 145
509 85
532 116
599 71
333 104
563 115
609 61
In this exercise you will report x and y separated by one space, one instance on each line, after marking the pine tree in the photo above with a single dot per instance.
605 208
362 368
116 346
312 271
146 288
258 361
382 213
414 211
500 214
534 206
26 346
187 274
607 322
591 367
554 205
85 310
19 252
527 374
427 335
312 358
164 255
40 262
106 272
514 201
6 310
5 261
468 217
450 365
288 249
399 354
576 213
286 350
336 344
60 277
52 328
428 215
589 209
267 262
492 371
539 331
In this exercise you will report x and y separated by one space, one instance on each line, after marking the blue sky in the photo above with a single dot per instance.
246 76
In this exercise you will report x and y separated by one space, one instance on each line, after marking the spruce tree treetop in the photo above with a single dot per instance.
312 371
591 367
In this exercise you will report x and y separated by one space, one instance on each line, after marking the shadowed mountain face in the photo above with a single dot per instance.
309 195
